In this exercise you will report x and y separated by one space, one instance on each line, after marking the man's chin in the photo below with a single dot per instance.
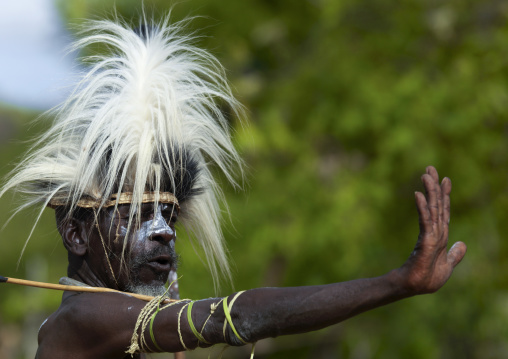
151 290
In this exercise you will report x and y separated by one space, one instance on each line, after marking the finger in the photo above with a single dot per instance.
423 213
431 170
456 253
440 209
446 188
432 192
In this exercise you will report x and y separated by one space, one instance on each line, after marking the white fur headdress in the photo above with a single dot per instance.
146 117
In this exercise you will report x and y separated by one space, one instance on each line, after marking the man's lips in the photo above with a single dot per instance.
161 263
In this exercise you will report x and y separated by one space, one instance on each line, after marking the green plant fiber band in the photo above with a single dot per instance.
228 318
191 324
152 335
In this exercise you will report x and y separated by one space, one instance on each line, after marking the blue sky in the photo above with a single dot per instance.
34 70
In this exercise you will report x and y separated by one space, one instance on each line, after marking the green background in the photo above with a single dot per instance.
347 103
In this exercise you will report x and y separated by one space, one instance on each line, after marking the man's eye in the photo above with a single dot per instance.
124 216
146 216
171 218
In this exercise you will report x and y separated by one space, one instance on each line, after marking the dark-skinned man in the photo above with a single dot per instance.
129 156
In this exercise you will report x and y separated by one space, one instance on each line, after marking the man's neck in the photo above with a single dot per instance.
84 274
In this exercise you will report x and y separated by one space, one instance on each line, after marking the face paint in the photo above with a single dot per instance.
153 255
150 248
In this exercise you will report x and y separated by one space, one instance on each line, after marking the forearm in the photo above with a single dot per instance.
270 312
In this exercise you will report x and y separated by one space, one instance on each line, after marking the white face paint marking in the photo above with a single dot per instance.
129 308
138 243
147 228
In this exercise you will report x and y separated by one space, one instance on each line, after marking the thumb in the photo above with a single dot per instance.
456 253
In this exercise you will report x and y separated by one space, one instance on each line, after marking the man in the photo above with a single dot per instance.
126 159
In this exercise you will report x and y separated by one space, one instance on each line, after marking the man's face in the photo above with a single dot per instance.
150 251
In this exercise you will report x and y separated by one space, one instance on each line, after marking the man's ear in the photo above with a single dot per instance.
75 236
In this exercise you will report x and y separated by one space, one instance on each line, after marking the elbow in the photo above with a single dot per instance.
249 331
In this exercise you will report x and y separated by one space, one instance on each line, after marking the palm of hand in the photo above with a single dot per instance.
430 265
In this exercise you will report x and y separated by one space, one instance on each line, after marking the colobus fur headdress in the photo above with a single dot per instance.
146 117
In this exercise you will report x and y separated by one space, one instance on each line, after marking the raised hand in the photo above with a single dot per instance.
430 265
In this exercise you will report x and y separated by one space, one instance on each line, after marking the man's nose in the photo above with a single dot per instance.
163 234
161 231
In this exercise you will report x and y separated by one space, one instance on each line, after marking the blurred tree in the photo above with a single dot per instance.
348 102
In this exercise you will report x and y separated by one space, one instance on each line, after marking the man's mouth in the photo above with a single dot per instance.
161 263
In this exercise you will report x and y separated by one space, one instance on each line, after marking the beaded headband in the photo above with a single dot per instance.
123 198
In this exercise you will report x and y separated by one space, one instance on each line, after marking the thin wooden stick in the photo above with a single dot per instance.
76 288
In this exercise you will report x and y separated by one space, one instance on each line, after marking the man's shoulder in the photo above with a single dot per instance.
85 309
62 324
56 334
83 320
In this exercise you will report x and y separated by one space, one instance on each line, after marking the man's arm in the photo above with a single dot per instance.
270 312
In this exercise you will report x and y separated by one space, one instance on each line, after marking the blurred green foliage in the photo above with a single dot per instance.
348 101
